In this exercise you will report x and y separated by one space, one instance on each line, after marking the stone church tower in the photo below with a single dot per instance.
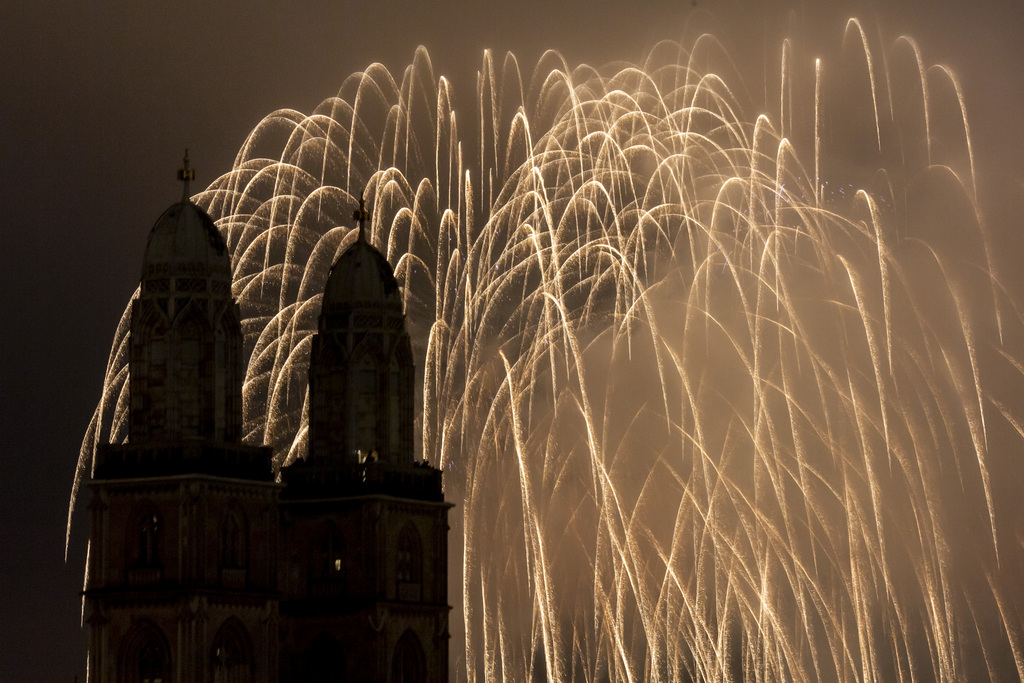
182 571
363 525
204 569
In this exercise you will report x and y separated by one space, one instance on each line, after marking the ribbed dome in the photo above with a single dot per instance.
361 277
185 241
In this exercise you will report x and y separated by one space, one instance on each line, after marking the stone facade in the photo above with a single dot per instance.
182 579
204 565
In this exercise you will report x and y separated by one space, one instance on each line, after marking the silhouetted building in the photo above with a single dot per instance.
203 567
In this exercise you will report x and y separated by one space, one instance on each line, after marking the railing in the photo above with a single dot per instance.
421 482
150 460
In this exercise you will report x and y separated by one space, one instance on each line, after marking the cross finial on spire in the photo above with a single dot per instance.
361 215
185 175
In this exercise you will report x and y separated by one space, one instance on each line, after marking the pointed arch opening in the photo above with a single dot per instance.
234 549
148 379
144 656
189 376
409 570
145 534
328 561
364 399
409 663
327 386
234 540
231 656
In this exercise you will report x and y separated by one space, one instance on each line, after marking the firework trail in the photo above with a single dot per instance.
712 404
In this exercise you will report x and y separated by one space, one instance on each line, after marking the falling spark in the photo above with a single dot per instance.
702 417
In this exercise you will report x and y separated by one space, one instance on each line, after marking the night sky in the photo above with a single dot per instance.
99 100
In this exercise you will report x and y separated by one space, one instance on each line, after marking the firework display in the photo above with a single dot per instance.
713 402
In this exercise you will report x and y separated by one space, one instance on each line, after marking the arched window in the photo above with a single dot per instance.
328 416
334 408
231 655
148 382
234 541
188 378
152 397
409 664
410 564
329 553
144 655
144 546
147 530
363 406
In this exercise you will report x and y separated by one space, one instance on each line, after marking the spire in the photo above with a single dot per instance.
361 215
185 175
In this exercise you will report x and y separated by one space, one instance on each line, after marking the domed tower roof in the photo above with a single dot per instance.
361 277
186 256
184 240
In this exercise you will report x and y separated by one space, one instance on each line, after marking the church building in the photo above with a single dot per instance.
205 565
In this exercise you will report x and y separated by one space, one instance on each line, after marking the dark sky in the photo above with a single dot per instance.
99 99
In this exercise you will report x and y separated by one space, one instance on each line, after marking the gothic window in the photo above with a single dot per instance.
149 374
409 664
329 556
365 397
144 655
148 532
233 541
333 396
158 361
152 663
410 564
188 382
231 655
156 390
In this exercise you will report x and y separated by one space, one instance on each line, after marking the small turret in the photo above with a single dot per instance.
183 547
186 339
361 370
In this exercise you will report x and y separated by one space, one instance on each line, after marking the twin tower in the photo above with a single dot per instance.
202 567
